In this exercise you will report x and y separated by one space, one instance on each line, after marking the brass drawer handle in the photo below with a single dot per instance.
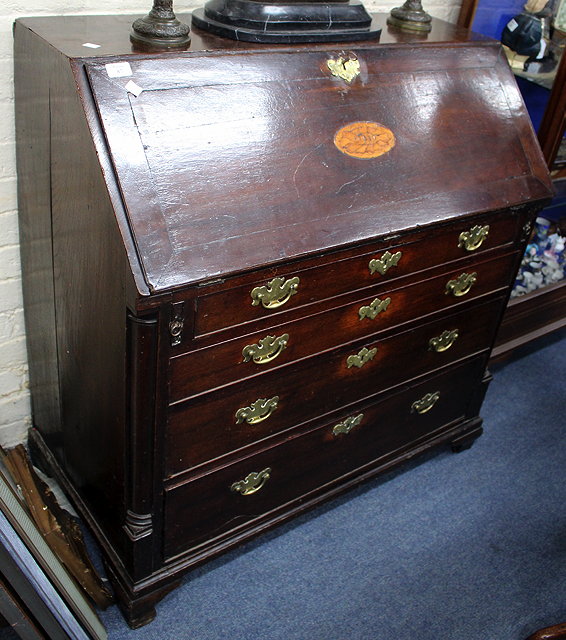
347 425
462 284
426 403
359 359
444 341
473 239
252 482
258 411
266 350
372 310
276 293
385 263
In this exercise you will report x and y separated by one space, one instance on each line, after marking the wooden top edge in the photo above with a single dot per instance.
74 35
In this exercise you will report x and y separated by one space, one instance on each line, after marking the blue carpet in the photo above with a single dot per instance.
455 547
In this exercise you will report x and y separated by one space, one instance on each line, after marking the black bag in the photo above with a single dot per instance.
523 34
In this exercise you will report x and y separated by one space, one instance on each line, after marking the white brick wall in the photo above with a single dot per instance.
14 395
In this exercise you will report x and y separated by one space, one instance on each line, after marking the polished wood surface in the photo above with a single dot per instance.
224 362
157 216
335 457
307 391
222 305
202 203
69 33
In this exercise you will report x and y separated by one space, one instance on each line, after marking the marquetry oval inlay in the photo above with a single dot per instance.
364 139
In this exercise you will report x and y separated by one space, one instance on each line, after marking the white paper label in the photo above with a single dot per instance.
512 25
133 88
118 69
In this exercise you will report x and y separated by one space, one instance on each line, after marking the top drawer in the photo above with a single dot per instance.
278 290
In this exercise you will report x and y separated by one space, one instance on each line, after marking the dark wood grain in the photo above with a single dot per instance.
314 334
62 274
112 33
335 456
31 86
318 386
344 275
277 187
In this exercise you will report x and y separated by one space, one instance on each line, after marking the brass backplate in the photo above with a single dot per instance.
266 350
276 293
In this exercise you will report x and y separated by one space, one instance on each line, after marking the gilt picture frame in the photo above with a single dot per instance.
53 600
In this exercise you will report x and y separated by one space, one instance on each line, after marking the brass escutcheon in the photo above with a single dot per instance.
252 482
359 359
461 285
346 69
426 403
276 293
266 350
473 239
372 310
444 341
347 425
383 264
258 411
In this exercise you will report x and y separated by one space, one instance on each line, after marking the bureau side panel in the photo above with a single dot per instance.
31 80
87 329
90 301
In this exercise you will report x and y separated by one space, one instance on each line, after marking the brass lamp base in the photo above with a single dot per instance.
410 17
160 29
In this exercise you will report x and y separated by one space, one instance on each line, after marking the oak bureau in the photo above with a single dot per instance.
256 275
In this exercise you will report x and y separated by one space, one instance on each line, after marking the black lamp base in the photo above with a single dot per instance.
253 21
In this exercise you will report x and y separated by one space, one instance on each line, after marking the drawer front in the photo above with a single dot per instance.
232 497
212 367
287 288
218 423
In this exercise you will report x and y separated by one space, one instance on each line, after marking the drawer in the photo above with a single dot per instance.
213 504
212 367
279 290
219 423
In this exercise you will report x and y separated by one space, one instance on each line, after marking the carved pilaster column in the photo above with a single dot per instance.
142 363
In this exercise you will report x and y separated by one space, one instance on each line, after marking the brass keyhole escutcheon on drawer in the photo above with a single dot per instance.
266 350
444 341
426 403
383 264
473 239
347 425
258 411
360 358
253 482
372 310
276 293
348 69
461 285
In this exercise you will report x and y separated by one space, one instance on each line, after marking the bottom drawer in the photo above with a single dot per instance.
245 491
